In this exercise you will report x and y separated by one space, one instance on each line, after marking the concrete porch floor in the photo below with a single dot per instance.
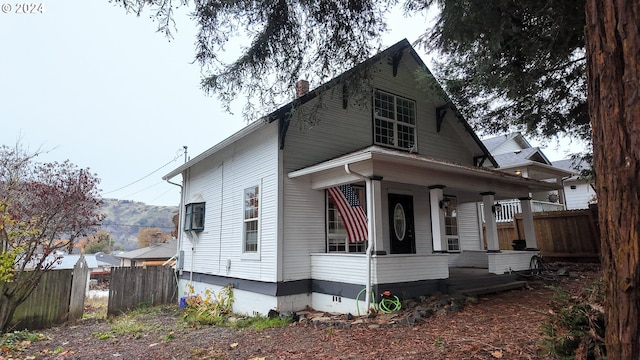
478 281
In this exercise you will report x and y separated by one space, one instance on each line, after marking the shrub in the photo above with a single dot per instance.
210 310
575 324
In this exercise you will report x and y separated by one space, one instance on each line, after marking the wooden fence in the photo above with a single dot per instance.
58 297
567 234
132 287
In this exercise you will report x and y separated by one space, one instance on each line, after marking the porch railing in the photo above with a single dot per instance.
509 208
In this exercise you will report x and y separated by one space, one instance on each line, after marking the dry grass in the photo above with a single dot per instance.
95 307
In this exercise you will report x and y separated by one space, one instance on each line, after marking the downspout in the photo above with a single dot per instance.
367 297
179 234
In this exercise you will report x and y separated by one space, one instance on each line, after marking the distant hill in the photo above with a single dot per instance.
126 217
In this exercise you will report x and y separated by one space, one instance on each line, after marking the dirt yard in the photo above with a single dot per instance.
497 326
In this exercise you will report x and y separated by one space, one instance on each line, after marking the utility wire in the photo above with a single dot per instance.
144 177
141 190
159 196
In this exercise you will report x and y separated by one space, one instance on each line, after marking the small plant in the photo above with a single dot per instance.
210 310
102 335
127 325
575 325
260 323
16 340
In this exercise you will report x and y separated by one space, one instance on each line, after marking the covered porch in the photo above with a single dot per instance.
423 217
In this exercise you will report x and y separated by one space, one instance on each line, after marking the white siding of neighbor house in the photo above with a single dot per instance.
340 131
579 197
220 181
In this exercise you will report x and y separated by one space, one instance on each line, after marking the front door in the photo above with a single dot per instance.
401 224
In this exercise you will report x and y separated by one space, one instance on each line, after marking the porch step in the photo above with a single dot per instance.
490 289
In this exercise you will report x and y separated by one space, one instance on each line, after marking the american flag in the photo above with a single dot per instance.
352 214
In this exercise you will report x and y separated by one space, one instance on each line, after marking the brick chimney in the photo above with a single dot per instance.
302 87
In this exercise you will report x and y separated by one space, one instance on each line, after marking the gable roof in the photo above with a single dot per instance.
155 251
522 156
284 113
493 144
574 166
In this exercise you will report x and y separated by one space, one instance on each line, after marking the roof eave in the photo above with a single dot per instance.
214 149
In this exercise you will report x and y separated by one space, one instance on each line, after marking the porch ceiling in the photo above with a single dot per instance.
406 168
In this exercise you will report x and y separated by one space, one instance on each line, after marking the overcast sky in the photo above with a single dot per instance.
89 83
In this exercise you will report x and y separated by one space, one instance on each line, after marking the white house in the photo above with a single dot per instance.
264 209
515 155
579 192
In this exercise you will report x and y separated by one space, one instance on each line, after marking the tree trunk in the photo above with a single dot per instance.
7 309
613 74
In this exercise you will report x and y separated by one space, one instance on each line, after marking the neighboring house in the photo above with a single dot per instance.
579 193
104 263
98 264
153 255
373 197
515 155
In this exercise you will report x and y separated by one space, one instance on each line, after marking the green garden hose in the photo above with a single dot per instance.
388 304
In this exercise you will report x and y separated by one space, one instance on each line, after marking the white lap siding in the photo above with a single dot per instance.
220 181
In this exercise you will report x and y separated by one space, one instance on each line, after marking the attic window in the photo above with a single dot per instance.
394 121
194 217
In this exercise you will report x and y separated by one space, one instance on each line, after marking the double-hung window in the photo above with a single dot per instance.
251 219
394 121
194 217
336 231
451 225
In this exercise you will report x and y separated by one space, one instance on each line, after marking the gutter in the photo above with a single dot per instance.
370 207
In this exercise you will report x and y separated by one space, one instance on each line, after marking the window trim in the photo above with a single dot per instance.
453 202
251 255
189 217
395 121
349 248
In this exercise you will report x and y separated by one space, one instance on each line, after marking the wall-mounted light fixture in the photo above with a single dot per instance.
518 172
496 208
444 203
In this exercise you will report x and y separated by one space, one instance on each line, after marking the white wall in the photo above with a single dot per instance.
220 181
468 227
579 197
340 131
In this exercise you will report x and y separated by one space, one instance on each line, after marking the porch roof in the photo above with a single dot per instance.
538 171
410 168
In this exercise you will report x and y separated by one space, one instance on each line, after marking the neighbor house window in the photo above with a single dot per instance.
194 217
337 240
451 225
394 121
251 218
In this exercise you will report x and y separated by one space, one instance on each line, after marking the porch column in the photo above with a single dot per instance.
437 218
374 201
527 221
488 200
561 195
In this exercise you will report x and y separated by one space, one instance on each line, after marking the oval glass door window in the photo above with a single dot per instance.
399 222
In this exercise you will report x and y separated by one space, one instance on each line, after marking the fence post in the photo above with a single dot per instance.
78 289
